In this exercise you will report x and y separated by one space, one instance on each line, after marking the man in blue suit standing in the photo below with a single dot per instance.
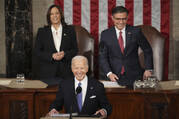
119 45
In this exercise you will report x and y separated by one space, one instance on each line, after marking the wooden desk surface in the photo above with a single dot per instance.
108 90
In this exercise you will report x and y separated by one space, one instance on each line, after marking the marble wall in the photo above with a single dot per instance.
39 11
175 38
2 41
18 29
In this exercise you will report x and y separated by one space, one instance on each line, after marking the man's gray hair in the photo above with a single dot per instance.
79 57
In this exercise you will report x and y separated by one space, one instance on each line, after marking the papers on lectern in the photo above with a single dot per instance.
64 115
110 84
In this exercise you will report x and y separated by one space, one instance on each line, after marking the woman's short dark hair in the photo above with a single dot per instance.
61 14
119 9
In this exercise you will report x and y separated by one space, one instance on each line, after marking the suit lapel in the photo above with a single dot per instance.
64 35
89 92
51 40
75 105
116 42
128 38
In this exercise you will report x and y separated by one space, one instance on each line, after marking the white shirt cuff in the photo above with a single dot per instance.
109 73
105 111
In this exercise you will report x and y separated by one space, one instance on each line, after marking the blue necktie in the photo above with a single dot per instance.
79 98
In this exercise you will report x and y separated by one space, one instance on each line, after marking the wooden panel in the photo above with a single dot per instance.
1 107
42 103
18 106
18 109
126 106
177 107
159 106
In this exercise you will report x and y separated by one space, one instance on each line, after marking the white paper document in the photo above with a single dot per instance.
169 85
64 115
110 84
5 82
177 83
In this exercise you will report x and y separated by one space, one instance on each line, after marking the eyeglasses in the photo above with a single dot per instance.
120 19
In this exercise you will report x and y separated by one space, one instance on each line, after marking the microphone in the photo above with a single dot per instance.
78 90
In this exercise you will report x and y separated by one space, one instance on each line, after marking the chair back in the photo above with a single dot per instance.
156 41
85 45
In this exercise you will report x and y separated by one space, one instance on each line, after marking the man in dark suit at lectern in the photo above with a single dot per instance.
81 94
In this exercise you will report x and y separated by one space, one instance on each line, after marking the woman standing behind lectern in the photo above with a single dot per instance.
55 46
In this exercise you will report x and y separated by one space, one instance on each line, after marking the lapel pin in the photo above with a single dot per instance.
64 34
129 33
91 88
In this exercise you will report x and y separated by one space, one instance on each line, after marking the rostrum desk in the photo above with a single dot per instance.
127 103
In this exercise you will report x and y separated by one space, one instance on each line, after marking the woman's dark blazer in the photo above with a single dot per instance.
45 47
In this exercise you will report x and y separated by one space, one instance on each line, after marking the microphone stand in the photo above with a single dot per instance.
78 90
71 111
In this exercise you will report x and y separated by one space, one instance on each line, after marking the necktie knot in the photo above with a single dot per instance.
79 84
120 32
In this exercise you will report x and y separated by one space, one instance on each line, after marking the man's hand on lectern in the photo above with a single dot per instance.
102 113
52 112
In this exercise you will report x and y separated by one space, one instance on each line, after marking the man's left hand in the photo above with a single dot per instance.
102 113
147 74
